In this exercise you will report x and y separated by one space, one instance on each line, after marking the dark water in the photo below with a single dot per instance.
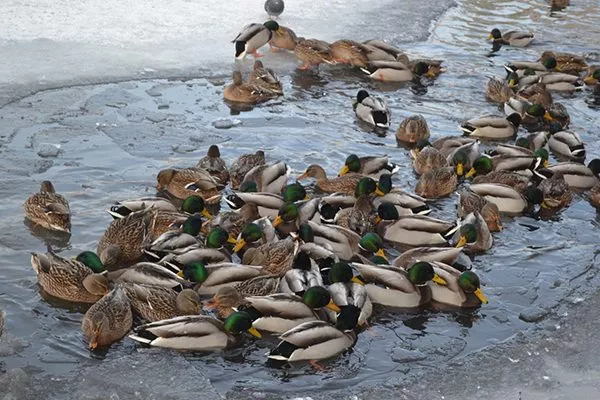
115 137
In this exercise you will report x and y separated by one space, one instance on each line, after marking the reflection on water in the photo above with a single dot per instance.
143 127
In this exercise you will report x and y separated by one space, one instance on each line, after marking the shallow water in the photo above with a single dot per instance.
535 266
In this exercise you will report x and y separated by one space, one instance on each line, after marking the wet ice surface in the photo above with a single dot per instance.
113 139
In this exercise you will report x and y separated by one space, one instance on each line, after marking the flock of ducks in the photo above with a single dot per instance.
307 258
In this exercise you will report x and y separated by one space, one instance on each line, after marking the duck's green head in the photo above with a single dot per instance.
239 322
529 72
306 233
422 272
592 79
533 195
251 232
372 243
468 234
384 185
293 192
420 68
271 25
481 166
192 225
194 272
367 186
342 272
594 166
302 261
361 95
91 260
469 283
515 119
555 127
459 160
248 187
217 237
495 34
513 79
195 204
386 212
347 319
287 213
352 164
318 297
522 142
542 155
550 63
536 110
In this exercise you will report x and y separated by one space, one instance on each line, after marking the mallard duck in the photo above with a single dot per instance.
372 166
405 203
154 303
229 298
291 215
255 234
559 82
264 204
253 37
146 273
247 93
558 115
447 255
567 144
69 280
524 165
498 91
218 275
412 130
312 52
265 78
345 290
592 76
48 209
344 184
412 230
382 51
513 179
123 241
283 38
508 200
536 93
511 38
349 52
274 7
107 320
182 183
469 202
397 287
395 71
450 144
458 289
565 62
437 183
208 256
343 242
427 158
531 69
176 241
372 110
577 175
303 275
474 234
195 332
269 178
492 127
463 157
555 190
242 165
317 340
594 196
358 218
214 164
275 257
125 207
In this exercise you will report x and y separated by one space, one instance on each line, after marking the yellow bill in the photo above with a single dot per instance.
332 306
231 240
379 192
439 280
546 163
356 280
460 169
512 83
590 80
344 170
471 173
480 296
206 214
490 37
180 274
548 116
381 253
277 221
378 219
461 242
239 245
254 332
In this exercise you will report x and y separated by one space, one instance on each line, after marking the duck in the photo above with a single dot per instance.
395 71
275 257
267 204
343 184
346 51
492 127
555 190
536 93
558 115
474 234
122 242
568 145
195 332
498 91
219 275
251 233
560 82
185 182
372 110
530 69
228 298
107 320
511 38
341 241
304 274
155 303
214 164
462 289
412 130
280 312
396 287
151 274
508 200
358 218
566 62
347 290
247 93
372 166
515 180
176 241
524 164
437 183
312 52
274 7
449 145
268 178
592 76
69 280
470 202
317 340
252 37
405 203
412 230
265 78
283 38
577 175
234 221
123 208
242 165
48 209
558 5
447 255
291 215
